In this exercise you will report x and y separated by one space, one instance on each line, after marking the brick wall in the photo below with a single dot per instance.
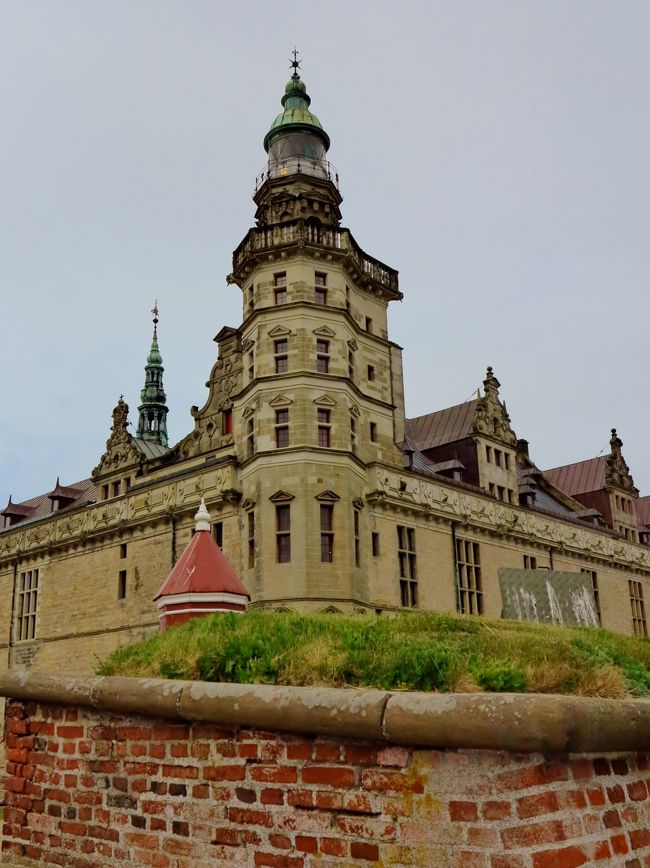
91 788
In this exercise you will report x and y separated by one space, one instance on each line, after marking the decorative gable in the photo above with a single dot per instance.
617 472
279 332
328 496
490 415
325 400
120 449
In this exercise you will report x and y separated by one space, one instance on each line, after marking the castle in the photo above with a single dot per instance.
323 495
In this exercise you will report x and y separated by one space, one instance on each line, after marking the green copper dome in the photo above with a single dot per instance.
296 117
154 357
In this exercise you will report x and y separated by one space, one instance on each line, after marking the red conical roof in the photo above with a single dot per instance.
202 569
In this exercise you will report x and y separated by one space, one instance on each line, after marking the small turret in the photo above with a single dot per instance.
152 419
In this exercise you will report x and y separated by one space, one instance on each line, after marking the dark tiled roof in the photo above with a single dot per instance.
443 426
41 506
579 478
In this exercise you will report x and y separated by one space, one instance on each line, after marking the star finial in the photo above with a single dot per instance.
154 311
295 63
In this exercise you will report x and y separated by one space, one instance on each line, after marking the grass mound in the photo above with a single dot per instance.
418 651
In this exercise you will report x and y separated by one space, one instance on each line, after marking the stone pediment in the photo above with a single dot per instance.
328 496
281 496
280 401
325 401
325 331
279 332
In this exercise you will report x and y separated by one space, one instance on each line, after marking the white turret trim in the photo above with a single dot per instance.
202 518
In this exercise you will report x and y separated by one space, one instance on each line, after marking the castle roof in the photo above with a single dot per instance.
580 477
82 493
442 426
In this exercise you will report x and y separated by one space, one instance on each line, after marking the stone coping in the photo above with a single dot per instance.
492 721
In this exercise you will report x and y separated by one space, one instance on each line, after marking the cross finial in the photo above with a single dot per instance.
154 311
295 63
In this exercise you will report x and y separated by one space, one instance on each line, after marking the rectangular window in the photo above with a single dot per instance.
116 489
506 460
122 550
320 290
121 585
226 422
251 298
27 604
324 428
281 348
250 438
251 538
468 577
326 533
283 533
368 324
371 373
530 562
353 434
497 457
375 544
322 356
281 429
408 583
351 364
105 492
638 608
357 539
593 575
373 432
217 533
488 454
280 283
501 492
251 366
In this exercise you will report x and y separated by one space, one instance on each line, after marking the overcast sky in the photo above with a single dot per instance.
496 153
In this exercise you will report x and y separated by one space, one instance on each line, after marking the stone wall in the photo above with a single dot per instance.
89 786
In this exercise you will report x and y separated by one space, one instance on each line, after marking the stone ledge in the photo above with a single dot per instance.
503 721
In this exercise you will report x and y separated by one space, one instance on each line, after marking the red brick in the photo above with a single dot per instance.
247 751
616 794
299 750
228 836
277 861
507 862
102 833
272 796
568 857
533 806
280 842
596 796
250 817
532 834
637 791
329 800
463 812
619 844
393 756
333 847
224 773
180 771
582 769
327 752
611 820
360 754
300 798
170 732
532 776
335 776
63 731
363 850
275 774
639 838
306 844
496 810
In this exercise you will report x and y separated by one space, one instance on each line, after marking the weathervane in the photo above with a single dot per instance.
295 63
154 311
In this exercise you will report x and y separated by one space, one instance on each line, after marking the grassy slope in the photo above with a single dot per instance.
414 651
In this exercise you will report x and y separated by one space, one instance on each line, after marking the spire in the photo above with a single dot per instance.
152 419
296 141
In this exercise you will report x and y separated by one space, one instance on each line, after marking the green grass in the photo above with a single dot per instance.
412 652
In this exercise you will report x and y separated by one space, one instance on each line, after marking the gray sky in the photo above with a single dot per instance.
496 153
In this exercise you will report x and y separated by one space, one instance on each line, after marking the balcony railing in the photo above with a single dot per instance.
266 238
297 166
